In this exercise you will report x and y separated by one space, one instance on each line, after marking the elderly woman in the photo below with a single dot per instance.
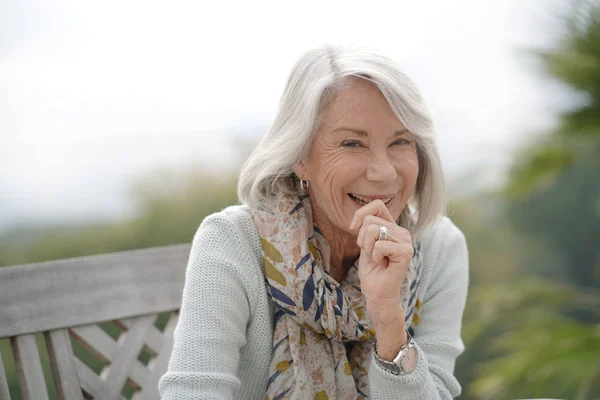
338 277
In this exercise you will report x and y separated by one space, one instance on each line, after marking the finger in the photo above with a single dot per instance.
386 253
395 233
379 253
371 225
376 208
370 236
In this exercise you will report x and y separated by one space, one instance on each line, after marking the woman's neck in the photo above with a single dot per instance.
343 248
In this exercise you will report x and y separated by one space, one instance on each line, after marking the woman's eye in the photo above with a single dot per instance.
351 143
402 142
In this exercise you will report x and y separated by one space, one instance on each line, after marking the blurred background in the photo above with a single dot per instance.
123 124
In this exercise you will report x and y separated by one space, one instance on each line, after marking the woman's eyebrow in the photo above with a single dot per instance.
361 132
401 132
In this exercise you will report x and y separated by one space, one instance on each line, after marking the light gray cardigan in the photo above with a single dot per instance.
223 341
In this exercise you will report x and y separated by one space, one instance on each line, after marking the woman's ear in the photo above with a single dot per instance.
300 171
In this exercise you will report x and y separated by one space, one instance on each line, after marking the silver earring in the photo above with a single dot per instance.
303 185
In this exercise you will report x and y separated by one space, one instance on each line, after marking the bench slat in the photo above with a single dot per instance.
138 374
158 366
63 365
99 343
96 341
88 290
126 358
90 382
154 338
65 299
4 393
29 367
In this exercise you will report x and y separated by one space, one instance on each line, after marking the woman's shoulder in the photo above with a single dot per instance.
234 223
235 213
229 236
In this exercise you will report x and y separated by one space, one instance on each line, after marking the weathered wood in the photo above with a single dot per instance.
29 367
154 338
63 364
138 374
4 393
106 349
93 384
96 341
90 382
68 297
86 290
158 366
130 348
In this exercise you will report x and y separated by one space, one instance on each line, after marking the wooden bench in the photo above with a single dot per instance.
105 322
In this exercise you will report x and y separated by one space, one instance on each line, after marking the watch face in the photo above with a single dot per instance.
409 360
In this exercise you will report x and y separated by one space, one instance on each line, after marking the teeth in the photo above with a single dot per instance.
364 200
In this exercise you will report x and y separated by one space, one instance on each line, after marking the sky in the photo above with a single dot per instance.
94 95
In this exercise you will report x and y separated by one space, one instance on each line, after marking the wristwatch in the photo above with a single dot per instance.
404 363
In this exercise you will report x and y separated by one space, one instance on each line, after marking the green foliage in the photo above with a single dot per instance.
537 337
554 186
541 169
537 349
575 63
563 216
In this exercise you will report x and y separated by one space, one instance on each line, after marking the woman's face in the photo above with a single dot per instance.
361 152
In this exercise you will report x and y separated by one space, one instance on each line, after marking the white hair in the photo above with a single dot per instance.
314 80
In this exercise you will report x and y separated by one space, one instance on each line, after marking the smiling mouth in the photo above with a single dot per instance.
364 201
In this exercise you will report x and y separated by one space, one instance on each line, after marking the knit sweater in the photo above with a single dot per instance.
223 340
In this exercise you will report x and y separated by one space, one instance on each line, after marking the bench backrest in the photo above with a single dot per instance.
106 323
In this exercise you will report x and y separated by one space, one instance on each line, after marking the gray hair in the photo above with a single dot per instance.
314 79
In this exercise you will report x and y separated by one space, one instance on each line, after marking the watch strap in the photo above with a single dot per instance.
394 367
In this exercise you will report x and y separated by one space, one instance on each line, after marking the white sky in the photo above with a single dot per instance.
95 94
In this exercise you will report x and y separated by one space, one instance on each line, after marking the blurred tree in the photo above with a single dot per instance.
575 64
564 215
556 186
532 346
543 336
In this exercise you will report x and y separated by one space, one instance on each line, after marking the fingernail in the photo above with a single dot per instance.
352 223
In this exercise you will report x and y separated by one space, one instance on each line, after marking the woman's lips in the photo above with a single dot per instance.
364 200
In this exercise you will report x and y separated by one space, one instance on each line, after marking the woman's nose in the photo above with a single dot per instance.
381 169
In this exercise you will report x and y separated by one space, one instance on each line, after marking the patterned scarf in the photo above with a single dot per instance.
323 336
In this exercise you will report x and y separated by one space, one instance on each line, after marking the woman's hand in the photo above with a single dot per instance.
383 266
383 263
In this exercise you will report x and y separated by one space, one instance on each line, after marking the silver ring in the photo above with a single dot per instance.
383 233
